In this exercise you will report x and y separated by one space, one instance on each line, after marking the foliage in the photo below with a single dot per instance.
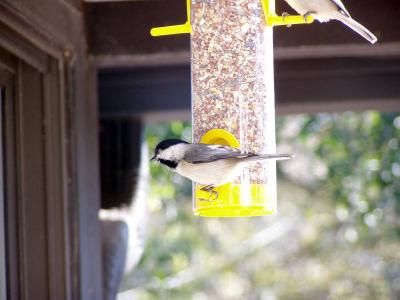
336 235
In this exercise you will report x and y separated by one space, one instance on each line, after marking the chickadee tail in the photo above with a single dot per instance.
357 27
257 157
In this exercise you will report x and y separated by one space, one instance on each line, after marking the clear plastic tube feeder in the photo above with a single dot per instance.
233 96
233 100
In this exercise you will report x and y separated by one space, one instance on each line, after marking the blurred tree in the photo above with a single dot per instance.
336 236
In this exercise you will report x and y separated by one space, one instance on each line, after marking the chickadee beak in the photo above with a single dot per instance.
153 158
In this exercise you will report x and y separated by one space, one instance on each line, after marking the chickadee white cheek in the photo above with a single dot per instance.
175 152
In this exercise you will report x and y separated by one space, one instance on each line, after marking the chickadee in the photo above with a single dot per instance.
325 10
208 165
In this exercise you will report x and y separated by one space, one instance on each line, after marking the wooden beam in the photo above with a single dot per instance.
103 1
142 60
122 28
381 50
302 85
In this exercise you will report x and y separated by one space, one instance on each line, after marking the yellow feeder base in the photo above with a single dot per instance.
234 200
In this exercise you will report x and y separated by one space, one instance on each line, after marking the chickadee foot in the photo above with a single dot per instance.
215 193
208 199
211 191
284 15
308 14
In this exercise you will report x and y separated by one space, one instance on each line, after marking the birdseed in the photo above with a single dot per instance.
232 77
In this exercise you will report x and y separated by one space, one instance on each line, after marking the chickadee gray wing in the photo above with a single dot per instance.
202 153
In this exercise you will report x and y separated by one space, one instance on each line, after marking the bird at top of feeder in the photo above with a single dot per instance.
205 164
326 10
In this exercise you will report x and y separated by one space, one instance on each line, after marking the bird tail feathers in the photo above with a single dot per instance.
257 157
357 27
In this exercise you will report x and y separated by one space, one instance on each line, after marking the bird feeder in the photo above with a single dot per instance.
233 96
